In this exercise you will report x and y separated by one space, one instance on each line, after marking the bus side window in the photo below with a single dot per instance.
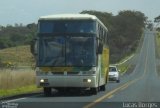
100 32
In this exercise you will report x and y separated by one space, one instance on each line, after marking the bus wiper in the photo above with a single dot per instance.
58 60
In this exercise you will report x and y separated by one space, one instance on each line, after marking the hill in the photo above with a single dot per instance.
19 55
18 35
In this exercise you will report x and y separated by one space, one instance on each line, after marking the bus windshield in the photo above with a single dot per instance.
67 51
74 26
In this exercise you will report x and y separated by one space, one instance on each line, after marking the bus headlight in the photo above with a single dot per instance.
89 81
42 81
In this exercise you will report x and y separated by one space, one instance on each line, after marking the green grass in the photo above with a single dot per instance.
20 90
19 55
123 67
10 79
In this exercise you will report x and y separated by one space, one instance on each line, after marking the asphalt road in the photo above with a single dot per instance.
141 85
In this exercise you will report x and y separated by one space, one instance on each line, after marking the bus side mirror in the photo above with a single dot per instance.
100 48
33 47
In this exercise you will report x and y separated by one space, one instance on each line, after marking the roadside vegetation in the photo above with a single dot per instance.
17 81
16 72
18 91
17 35
158 44
123 65
19 56
125 31
158 51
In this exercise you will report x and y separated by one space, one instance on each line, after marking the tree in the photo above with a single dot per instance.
157 20
125 31
11 36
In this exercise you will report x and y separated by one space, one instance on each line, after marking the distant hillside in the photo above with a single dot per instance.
18 55
11 36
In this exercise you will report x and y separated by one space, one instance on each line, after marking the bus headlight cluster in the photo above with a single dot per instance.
43 80
87 80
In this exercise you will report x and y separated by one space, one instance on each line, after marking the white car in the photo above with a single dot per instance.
114 74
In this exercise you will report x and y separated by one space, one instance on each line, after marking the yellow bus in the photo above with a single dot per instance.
71 52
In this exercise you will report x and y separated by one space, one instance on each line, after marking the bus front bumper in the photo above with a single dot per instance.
66 81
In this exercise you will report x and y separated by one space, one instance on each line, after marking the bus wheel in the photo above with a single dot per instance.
94 90
118 81
47 91
103 87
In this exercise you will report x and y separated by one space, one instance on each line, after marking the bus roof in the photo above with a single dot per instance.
68 16
71 17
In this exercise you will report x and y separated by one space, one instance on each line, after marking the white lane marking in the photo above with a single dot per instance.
19 99
13 100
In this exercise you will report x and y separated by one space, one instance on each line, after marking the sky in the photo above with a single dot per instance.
28 11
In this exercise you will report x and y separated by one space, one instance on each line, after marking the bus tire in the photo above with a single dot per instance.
103 87
94 90
118 81
47 91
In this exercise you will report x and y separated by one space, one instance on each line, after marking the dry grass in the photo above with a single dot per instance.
11 79
19 55
158 44
158 51
22 78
